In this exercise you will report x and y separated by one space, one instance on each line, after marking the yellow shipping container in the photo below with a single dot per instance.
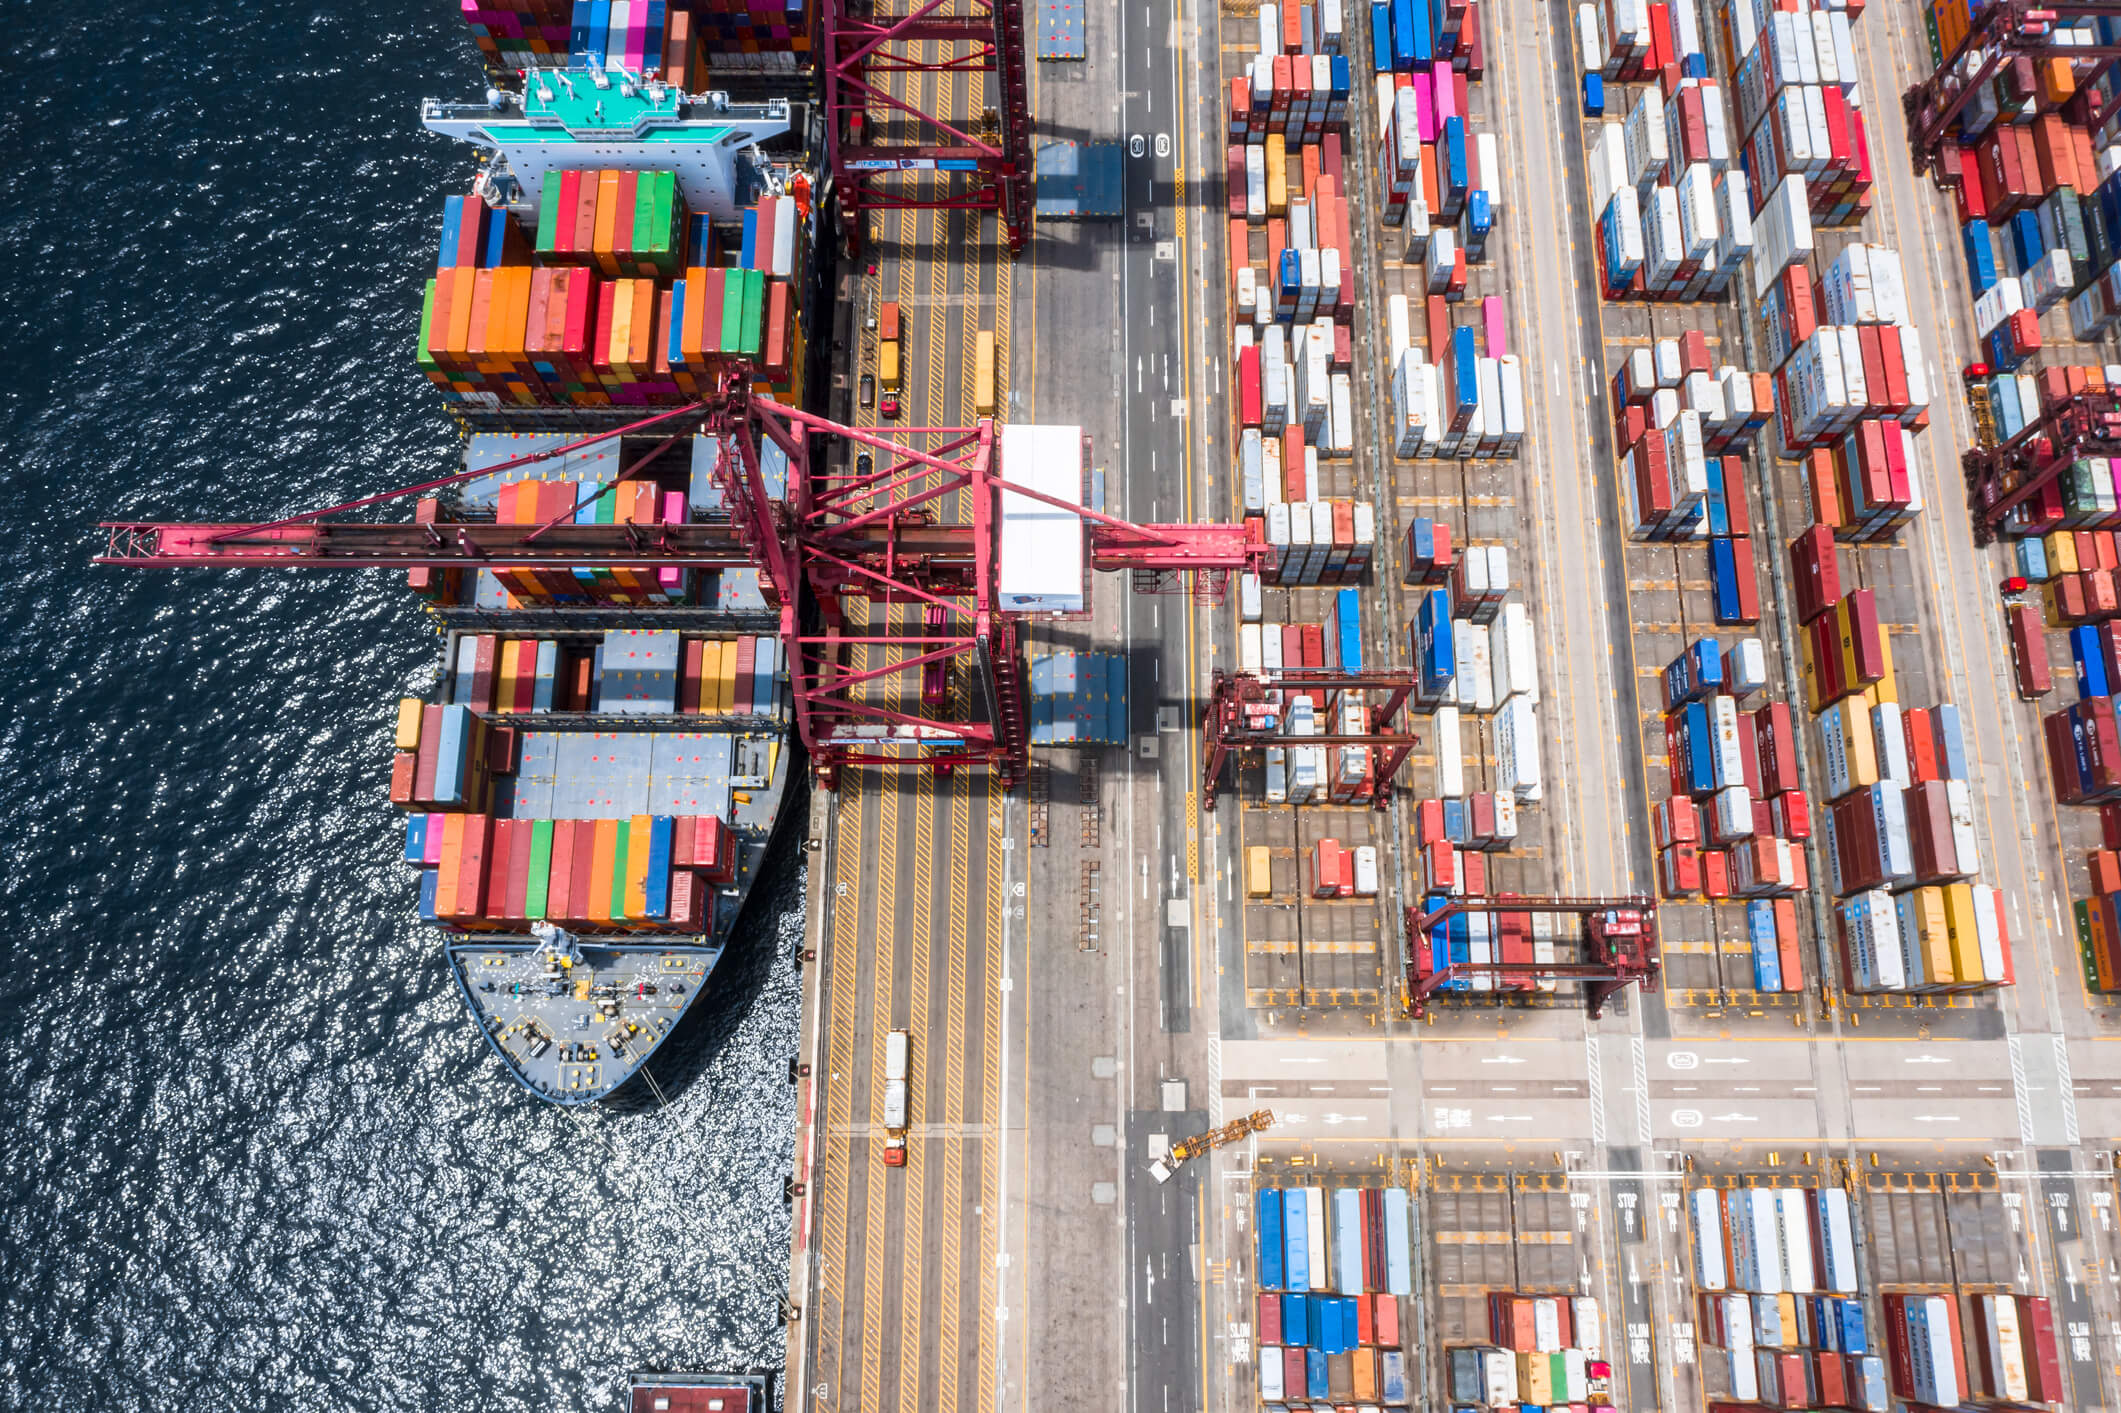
1535 1378
1887 687
1259 872
1932 938
409 723
2061 552
725 677
1277 175
1855 722
637 830
506 670
1962 932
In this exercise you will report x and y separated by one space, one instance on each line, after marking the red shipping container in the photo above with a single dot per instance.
1269 1318
559 876
404 766
1475 869
1715 873
1388 1321
2043 1368
1734 503
1293 1373
519 871
1793 815
714 850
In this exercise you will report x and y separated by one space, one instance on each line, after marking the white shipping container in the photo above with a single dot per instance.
1794 1215
1516 661
1271 1369
1450 759
1250 656
1958 795
1399 335
1782 233
1366 871
1248 602
1609 164
1837 1243
1649 154
1517 750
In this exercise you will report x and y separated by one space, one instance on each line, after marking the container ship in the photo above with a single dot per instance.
595 785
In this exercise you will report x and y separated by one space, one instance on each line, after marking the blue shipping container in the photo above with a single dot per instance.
1980 244
1296 1233
1269 1233
1465 371
1315 1373
1723 579
1594 95
1698 746
1953 737
1295 1320
1767 966
415 837
2091 664
2032 559
1381 37
2026 239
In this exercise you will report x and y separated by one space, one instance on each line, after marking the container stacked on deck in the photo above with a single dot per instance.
1686 427
645 873
1332 1267
519 34
542 502
592 313
706 39
1781 1321
1546 1351
447 757
628 672
1474 653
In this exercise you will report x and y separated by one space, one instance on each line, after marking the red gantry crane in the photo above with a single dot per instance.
2003 477
1618 948
914 159
2010 34
1248 713
837 534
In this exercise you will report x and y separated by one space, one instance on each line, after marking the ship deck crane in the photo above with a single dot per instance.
1187 1149
836 535
1619 948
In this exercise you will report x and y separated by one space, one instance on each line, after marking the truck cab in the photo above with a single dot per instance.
897 1045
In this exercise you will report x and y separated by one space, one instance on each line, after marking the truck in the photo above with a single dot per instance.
887 376
896 1046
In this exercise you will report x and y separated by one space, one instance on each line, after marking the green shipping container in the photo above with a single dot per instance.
732 312
618 873
540 868
427 317
548 213
754 311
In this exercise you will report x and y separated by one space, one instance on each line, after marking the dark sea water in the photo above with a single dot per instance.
253 1155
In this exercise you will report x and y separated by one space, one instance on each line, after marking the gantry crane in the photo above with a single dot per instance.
837 534
2006 32
1187 1149
915 158
1241 716
2002 477
1619 948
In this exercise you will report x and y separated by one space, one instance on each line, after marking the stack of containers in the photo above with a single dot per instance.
591 315
1674 222
1332 1267
1774 1274
623 36
514 35
709 37
2098 916
2087 495
1991 1348
1543 1352
646 873
1798 96
1502 940
1735 821
1685 427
